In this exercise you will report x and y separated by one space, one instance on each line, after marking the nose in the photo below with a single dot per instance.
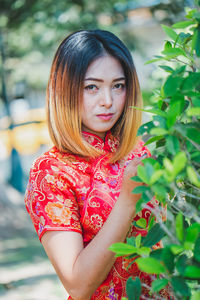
106 99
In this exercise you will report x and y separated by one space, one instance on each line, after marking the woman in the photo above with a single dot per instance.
79 192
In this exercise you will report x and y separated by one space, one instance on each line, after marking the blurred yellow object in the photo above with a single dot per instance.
26 138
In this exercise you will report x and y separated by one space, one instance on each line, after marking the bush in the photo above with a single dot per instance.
172 174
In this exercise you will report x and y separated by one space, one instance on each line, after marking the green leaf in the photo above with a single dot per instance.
172 144
136 179
153 60
154 235
189 131
176 249
179 162
179 227
184 38
140 189
123 249
167 68
139 204
174 111
170 32
193 111
159 284
156 176
168 165
190 82
157 254
179 71
159 190
158 131
197 250
142 174
168 46
150 265
145 128
159 121
133 288
196 41
138 240
144 251
168 259
196 15
152 161
181 263
147 196
195 296
192 233
179 285
193 134
173 52
171 85
195 156
190 13
153 139
196 100
192 272
151 221
151 111
194 226
183 24
130 241
142 223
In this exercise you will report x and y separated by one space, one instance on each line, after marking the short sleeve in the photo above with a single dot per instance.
50 198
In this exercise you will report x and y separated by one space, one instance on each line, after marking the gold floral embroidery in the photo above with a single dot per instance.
96 220
50 178
58 213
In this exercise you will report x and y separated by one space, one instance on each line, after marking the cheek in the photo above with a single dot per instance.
84 106
87 103
87 109
121 104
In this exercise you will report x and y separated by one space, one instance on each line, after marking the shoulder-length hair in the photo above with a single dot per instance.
65 92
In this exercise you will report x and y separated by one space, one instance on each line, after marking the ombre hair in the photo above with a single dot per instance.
65 92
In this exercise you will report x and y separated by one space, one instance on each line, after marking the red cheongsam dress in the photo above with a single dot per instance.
67 192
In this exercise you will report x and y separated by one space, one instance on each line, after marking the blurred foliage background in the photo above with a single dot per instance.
30 32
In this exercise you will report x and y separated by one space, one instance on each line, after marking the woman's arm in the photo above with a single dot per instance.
80 269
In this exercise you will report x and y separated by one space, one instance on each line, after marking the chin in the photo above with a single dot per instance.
103 130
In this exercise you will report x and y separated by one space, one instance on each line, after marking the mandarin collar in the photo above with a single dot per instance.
110 144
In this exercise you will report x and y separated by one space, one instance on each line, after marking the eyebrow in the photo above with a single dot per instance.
101 80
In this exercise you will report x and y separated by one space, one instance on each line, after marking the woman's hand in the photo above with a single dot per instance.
128 184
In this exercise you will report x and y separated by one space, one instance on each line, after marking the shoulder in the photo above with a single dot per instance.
55 161
47 159
56 167
52 166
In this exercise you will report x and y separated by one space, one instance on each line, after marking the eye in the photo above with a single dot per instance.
91 88
119 86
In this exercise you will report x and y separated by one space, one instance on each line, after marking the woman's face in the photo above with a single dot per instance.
104 95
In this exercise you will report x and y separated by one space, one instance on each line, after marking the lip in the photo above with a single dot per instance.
105 117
